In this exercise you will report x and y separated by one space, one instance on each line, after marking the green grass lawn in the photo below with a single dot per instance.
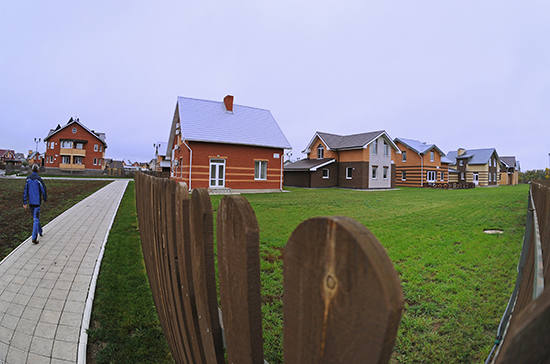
124 323
456 279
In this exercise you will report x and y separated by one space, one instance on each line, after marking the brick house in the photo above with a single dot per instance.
222 146
35 158
420 164
74 147
480 166
362 161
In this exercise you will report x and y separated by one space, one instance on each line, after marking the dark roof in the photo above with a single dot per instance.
476 156
509 161
307 164
348 141
98 135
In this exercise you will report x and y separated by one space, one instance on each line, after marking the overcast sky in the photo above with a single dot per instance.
462 73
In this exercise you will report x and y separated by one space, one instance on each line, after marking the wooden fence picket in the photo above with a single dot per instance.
342 297
239 275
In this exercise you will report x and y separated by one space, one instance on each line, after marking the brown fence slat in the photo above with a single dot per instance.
204 278
342 296
239 274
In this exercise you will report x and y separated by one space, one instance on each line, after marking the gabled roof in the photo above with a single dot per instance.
353 141
418 146
510 162
100 136
208 121
475 156
308 164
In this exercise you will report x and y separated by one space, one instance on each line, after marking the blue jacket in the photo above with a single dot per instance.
35 190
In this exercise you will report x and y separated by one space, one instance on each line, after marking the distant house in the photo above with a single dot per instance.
509 171
35 158
221 145
8 157
420 164
74 147
480 166
161 162
359 161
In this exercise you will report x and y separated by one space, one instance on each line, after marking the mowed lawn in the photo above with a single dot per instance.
456 279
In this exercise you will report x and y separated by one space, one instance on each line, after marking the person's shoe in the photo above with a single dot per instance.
41 235
35 241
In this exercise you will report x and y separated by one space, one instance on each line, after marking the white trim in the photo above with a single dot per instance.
349 168
85 128
190 163
313 169
388 138
260 171
308 149
323 173
83 340
210 163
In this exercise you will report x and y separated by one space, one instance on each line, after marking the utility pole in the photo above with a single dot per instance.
37 140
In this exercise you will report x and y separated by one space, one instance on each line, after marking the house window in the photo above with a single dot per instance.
462 176
374 169
461 162
320 152
66 159
96 148
95 161
404 156
386 148
52 144
349 172
432 156
325 173
74 130
430 176
78 160
51 158
403 175
374 147
385 172
67 144
441 176
101 148
260 170
79 145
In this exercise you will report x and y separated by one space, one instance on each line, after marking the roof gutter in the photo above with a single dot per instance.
190 161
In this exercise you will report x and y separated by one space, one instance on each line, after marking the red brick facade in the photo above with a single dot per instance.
239 162
91 155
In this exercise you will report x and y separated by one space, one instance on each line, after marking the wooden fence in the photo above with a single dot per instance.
523 335
342 297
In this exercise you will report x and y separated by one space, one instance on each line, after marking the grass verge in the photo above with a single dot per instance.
124 324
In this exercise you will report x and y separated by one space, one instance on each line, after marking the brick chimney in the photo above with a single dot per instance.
461 151
228 101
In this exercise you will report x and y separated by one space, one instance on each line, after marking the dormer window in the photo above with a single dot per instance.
320 151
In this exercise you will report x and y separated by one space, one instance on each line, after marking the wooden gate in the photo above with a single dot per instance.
342 297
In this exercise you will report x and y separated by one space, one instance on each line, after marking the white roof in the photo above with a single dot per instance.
208 121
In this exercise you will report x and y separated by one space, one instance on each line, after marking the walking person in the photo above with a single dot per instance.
34 193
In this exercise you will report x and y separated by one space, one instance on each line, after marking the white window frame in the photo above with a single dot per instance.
442 176
374 172
349 172
96 148
52 145
432 174
320 151
432 156
404 156
374 147
386 148
323 173
217 163
101 148
67 144
403 175
51 158
81 145
79 158
63 158
461 162
258 168
74 130
385 170
95 161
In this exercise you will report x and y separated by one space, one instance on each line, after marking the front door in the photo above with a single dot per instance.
217 173
476 178
430 177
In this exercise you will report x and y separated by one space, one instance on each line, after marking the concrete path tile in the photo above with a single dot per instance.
44 287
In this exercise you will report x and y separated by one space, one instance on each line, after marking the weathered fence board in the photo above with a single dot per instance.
239 272
346 309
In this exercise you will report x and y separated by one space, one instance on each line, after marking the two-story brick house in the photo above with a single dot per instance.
361 161
420 164
480 166
224 146
74 147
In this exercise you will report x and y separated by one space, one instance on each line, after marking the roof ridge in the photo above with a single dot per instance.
221 102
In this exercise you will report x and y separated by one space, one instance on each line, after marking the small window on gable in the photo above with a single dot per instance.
326 173
349 172
432 156
320 152
404 156
74 130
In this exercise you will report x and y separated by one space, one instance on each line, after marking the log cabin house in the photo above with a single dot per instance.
226 147
480 166
420 164
361 161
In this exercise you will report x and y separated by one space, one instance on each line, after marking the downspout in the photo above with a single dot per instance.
282 158
190 161
421 170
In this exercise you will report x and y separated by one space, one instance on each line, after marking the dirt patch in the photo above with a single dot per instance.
16 223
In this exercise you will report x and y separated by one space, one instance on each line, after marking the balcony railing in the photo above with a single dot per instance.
73 151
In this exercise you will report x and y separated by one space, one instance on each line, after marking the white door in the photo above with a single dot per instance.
217 173
476 178
430 176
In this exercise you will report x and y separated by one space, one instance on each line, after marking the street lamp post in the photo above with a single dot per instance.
37 140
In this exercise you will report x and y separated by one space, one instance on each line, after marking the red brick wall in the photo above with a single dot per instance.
81 134
239 165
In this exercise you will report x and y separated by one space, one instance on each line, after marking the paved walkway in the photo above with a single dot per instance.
44 288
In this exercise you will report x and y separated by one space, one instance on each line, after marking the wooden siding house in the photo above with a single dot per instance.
480 166
222 146
420 164
509 171
361 161
74 147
